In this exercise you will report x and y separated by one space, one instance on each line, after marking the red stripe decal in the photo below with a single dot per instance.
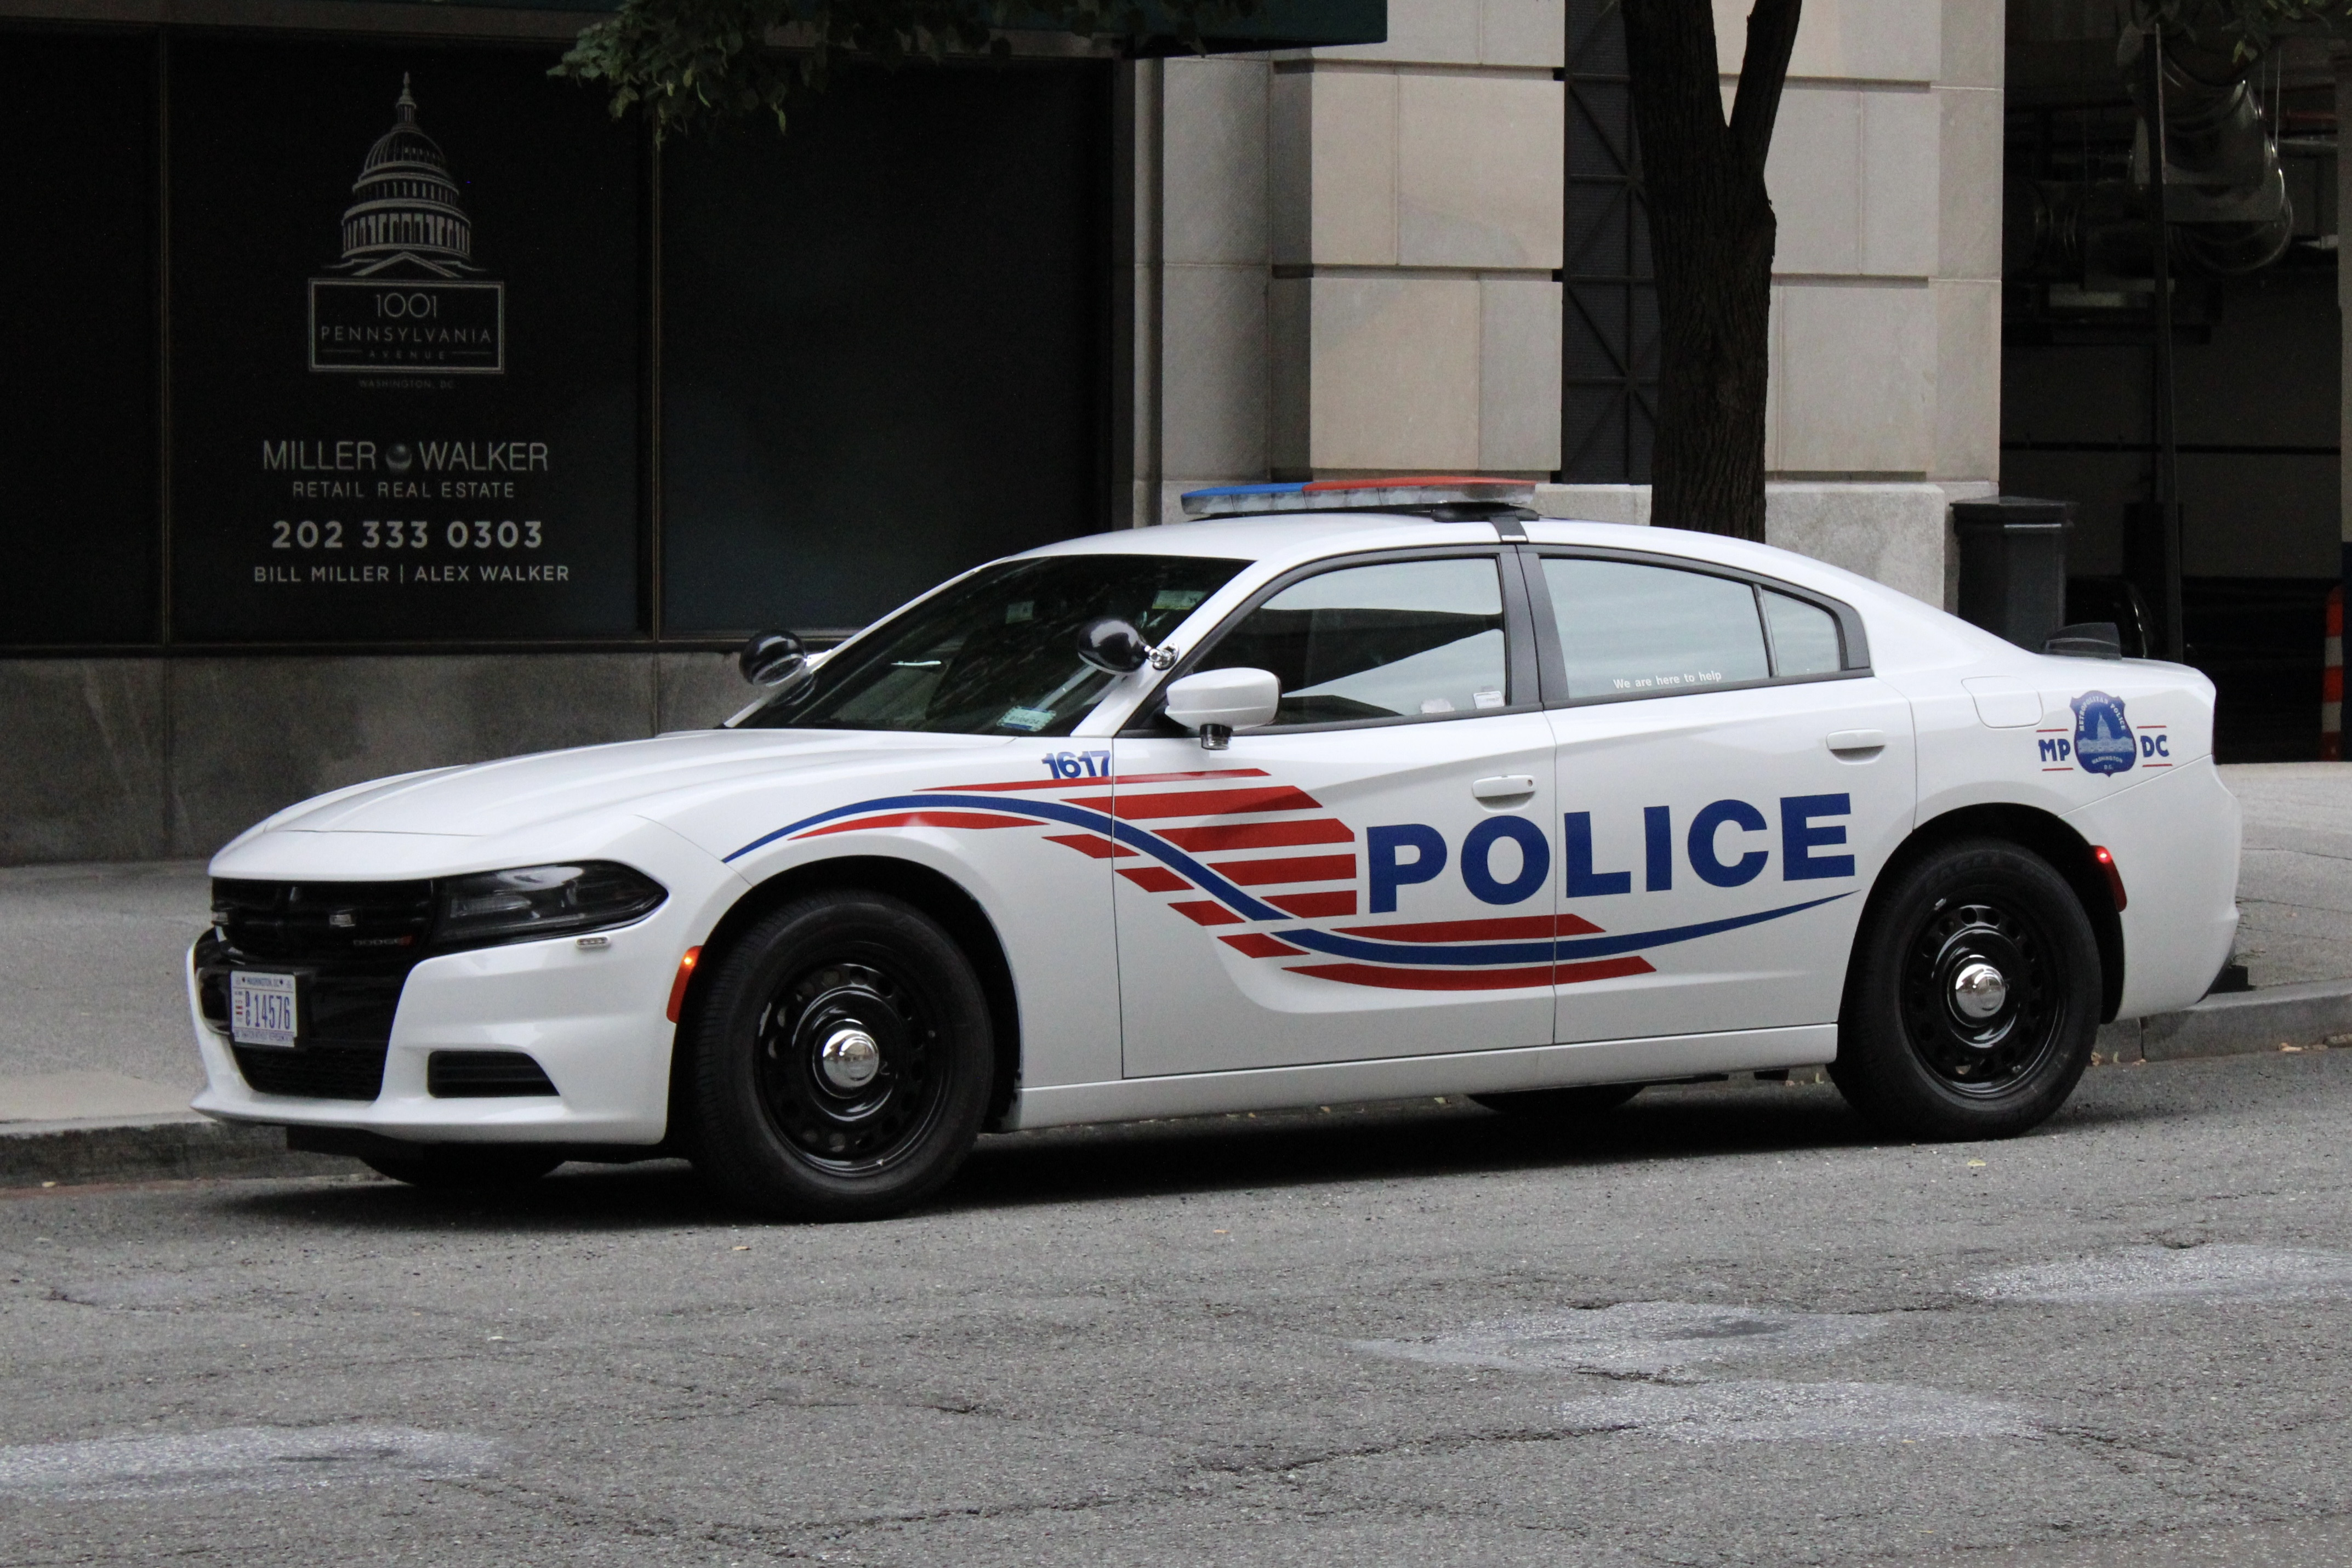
1287 868
1202 912
1258 944
1600 969
922 820
1316 906
1089 845
1473 979
1203 803
1155 879
1498 930
1260 835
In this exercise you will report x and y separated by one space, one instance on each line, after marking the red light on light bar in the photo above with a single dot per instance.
694 956
2115 878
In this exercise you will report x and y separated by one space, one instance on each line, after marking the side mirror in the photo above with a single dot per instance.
1113 646
775 659
1216 703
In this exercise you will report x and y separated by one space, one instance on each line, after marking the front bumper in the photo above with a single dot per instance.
592 1017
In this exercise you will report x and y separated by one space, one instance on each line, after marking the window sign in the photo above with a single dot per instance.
405 327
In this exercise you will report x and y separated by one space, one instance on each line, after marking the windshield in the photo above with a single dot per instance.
997 652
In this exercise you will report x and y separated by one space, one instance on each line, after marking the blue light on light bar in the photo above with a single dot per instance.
1415 493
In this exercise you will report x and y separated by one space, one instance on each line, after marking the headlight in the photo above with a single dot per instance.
541 901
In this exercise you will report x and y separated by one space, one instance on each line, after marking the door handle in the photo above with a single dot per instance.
1856 745
1509 787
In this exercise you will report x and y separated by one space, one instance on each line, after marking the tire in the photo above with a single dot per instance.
1919 1053
457 1168
1585 1100
840 1061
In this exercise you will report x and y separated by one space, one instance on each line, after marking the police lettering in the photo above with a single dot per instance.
1720 845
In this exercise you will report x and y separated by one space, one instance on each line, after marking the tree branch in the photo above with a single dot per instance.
1763 73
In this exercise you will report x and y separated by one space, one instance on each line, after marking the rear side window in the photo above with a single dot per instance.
1395 640
1627 629
1634 629
1804 636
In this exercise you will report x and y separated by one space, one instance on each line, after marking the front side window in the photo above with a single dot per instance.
1631 629
1394 640
997 654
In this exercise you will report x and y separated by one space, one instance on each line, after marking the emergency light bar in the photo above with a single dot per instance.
1434 494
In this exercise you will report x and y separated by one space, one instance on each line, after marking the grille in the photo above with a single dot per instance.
323 921
314 1071
347 1010
483 1074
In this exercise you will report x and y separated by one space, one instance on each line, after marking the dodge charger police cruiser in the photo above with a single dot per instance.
1340 791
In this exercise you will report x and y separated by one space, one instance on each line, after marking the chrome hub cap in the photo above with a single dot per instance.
1978 991
849 1059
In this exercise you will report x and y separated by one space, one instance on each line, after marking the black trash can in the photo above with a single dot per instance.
2013 566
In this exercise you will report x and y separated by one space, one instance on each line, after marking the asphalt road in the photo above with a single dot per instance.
1723 1328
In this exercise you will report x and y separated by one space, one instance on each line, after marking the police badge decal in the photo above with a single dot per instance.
2103 737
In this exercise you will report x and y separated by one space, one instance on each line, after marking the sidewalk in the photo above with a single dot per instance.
97 1068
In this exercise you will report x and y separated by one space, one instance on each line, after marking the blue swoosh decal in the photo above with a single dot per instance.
1534 952
1225 893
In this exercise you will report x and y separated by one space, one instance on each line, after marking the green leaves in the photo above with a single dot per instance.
694 65
2247 27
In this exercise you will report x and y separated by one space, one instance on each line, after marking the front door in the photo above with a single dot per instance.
1370 875
1731 779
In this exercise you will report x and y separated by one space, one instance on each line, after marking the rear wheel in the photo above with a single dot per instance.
841 1060
1973 998
1562 1104
454 1167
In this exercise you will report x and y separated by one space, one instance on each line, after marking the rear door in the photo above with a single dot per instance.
1370 876
1731 779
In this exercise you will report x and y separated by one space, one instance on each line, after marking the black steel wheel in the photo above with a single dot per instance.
1569 1104
460 1167
1973 997
841 1055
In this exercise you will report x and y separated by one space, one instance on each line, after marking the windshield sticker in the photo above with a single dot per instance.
1028 719
1487 697
1020 611
1177 599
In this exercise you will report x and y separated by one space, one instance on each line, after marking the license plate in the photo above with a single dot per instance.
261 1007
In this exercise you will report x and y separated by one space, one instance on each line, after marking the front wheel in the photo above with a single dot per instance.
1973 998
840 1061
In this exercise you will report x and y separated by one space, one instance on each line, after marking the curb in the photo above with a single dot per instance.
2237 1023
179 1147
151 1149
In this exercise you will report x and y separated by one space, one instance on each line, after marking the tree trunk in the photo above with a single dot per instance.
1711 238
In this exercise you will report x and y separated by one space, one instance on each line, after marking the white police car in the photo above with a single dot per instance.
1413 794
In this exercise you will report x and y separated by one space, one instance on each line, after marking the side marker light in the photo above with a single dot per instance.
694 956
2115 878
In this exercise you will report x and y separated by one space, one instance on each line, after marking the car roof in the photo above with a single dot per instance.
1284 540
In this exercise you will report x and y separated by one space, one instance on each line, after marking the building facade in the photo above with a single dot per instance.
393 407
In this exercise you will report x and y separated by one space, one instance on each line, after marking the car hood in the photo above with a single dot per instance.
505 797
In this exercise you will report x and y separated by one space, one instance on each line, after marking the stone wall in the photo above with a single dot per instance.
134 758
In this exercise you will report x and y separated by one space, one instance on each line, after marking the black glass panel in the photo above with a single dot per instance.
884 342
79 520
406 336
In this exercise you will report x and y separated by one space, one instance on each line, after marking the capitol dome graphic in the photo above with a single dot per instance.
406 213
